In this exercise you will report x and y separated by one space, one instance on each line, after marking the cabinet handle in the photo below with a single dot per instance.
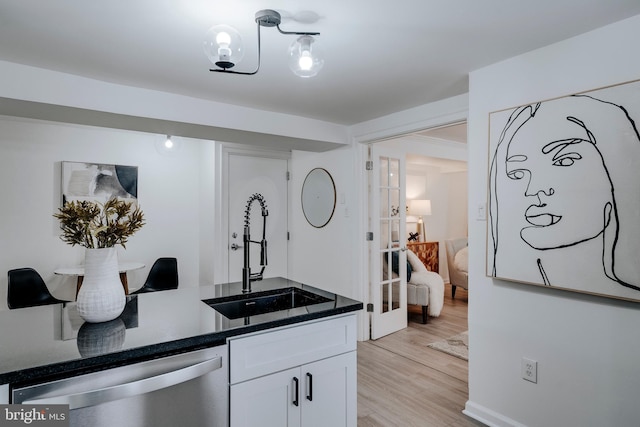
295 385
310 394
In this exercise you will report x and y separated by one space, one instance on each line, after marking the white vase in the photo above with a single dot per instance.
101 297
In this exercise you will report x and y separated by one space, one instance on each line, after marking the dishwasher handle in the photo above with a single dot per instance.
134 388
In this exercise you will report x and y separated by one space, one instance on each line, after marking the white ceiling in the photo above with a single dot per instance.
417 162
456 133
381 57
452 133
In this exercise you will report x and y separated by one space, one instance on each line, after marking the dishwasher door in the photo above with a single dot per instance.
184 390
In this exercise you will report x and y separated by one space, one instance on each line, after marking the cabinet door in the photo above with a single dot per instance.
268 401
329 393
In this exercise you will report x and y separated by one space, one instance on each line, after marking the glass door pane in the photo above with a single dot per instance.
389 264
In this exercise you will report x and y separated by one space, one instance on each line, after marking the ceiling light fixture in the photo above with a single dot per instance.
223 47
168 143
168 146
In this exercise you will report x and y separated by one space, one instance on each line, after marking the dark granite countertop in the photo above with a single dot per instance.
49 342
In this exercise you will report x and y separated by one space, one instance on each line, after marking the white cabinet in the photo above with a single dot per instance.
321 393
266 401
298 376
329 397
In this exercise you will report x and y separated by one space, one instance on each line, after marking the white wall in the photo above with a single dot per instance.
587 347
326 257
170 189
209 215
457 206
448 194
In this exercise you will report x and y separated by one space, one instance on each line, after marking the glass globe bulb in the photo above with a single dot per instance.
306 61
223 39
168 145
223 46
305 57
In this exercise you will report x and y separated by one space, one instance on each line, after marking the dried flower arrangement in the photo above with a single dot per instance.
95 225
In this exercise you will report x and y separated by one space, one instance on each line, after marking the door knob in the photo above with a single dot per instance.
235 247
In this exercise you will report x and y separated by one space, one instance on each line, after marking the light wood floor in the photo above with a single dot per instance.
402 382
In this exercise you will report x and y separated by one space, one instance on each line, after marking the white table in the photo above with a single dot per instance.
78 271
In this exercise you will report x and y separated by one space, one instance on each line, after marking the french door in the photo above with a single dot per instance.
387 251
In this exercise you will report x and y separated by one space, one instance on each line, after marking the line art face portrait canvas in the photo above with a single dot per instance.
564 193
98 182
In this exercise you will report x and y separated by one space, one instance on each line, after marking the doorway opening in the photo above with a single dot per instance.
435 172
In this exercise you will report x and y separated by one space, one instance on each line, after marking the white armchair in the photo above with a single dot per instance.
424 288
457 259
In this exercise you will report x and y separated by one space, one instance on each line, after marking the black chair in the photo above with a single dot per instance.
27 289
162 276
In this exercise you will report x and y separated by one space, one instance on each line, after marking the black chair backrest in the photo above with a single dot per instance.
27 289
163 275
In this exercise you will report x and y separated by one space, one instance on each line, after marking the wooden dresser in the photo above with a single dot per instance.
428 252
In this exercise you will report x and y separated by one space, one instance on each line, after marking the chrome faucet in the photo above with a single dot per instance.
247 276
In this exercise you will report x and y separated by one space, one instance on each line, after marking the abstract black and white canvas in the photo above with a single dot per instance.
98 182
564 193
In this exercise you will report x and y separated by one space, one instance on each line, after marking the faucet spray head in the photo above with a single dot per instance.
247 276
247 211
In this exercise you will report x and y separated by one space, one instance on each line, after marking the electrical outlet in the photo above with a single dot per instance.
529 370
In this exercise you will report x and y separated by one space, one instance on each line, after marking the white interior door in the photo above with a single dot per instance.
387 215
249 175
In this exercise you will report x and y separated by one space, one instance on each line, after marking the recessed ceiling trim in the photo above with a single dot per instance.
73 115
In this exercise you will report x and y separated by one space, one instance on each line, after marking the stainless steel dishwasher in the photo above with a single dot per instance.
184 390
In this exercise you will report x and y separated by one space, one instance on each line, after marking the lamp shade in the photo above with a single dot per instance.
305 57
223 46
420 207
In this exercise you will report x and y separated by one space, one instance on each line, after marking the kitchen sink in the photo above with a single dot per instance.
255 303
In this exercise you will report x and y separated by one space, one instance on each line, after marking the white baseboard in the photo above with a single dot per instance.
488 417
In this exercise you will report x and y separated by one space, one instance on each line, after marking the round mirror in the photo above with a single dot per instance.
318 197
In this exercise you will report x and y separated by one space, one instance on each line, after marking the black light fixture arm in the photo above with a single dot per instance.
265 18
296 33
